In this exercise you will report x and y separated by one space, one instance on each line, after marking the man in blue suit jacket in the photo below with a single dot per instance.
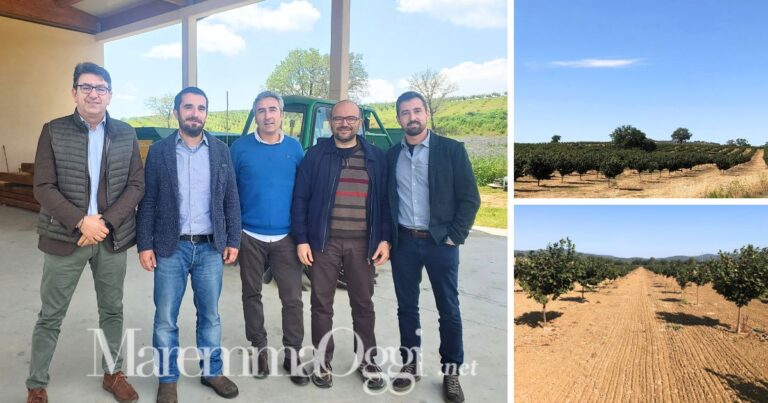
189 225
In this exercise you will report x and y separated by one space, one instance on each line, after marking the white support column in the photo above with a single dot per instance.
339 85
189 52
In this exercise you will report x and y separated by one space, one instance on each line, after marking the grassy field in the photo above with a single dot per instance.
493 208
485 116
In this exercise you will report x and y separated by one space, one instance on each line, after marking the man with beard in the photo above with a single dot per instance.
340 217
434 201
265 166
188 225
88 180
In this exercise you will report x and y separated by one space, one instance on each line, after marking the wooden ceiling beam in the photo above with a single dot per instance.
67 3
50 12
136 14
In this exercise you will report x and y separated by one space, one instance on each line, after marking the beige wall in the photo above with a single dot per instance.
36 64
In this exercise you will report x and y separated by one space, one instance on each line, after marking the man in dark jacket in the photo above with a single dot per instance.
340 217
188 225
434 201
88 180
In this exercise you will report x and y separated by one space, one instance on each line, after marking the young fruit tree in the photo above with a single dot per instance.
701 274
740 276
546 274
589 272
683 274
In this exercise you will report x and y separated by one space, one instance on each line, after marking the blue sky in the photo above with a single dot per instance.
239 49
642 230
585 67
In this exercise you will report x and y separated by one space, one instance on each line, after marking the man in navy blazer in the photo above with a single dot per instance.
434 199
189 226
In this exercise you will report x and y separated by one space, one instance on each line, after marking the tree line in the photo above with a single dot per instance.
740 276
546 274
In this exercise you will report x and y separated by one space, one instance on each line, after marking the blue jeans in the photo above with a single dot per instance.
442 263
204 264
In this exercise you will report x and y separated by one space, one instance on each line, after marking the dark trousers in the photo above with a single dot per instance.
255 257
442 263
353 255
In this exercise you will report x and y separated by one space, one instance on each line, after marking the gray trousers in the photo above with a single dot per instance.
60 277
255 256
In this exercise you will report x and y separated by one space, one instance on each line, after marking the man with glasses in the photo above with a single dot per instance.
265 166
189 227
340 217
88 180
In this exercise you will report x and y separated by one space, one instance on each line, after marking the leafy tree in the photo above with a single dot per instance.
631 137
307 72
519 168
681 135
683 275
161 106
556 139
612 167
740 276
546 274
589 272
540 167
701 273
742 142
565 165
435 86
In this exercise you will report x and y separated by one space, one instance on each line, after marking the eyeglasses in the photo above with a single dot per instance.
350 119
87 88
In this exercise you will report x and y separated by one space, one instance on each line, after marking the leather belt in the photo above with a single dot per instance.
197 238
415 233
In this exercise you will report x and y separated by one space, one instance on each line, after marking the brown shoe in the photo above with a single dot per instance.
221 385
118 385
166 393
37 395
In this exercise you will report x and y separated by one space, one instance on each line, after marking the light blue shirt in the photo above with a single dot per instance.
413 185
194 170
95 151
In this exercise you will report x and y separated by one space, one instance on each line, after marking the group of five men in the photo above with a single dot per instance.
345 204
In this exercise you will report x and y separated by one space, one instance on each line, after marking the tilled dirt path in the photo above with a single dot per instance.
640 340
693 183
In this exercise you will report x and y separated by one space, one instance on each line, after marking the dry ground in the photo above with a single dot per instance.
694 183
639 340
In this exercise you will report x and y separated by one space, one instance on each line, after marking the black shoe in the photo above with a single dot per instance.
371 374
406 379
260 364
322 377
452 392
298 373
221 385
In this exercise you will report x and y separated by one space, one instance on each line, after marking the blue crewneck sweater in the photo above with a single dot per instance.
265 175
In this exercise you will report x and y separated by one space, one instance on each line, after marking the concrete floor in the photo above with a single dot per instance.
483 295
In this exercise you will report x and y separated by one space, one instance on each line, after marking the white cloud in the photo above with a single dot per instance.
164 51
298 15
470 77
219 38
211 38
379 91
467 13
125 92
596 63
479 78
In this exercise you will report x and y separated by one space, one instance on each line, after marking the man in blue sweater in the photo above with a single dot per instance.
265 166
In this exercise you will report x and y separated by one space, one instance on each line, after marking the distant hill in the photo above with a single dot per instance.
699 258
470 116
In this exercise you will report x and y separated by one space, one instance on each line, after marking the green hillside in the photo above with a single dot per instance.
484 115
